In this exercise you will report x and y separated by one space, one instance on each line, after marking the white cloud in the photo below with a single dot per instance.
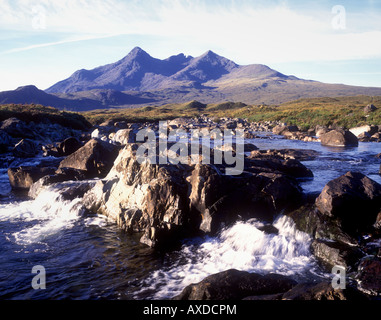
266 34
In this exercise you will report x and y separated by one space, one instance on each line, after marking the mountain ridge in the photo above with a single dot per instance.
138 79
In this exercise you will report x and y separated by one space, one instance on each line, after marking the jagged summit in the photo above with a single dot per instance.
138 71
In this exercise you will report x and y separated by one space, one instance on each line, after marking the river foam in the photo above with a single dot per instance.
243 247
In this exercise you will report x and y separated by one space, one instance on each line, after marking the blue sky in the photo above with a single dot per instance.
45 41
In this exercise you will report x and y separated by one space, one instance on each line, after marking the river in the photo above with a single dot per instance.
88 257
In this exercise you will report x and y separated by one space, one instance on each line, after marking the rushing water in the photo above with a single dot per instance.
88 257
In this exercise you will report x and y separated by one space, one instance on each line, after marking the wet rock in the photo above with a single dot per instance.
322 291
236 285
339 138
369 276
95 157
22 178
319 226
168 202
59 176
354 199
25 149
335 253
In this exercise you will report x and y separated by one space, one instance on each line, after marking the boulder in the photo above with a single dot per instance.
369 276
22 178
96 158
370 108
17 128
59 176
25 149
236 285
5 141
124 136
335 253
170 202
354 199
369 130
69 146
339 138
319 226
321 130
322 291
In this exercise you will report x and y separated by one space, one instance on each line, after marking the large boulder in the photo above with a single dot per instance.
369 130
169 202
369 276
96 158
339 138
335 253
354 199
322 291
236 285
17 128
22 178
26 149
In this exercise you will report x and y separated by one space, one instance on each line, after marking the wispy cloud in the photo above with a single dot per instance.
271 33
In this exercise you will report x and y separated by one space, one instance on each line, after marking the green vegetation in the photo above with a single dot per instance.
38 114
306 113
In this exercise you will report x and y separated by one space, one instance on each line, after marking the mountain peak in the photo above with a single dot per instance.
137 52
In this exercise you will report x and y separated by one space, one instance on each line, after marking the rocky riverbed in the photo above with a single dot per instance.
99 173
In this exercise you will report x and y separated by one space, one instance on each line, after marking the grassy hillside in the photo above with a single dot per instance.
342 111
38 113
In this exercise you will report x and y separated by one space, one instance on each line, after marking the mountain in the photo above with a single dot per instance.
139 79
84 101
138 71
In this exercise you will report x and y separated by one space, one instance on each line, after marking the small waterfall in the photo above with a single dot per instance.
244 247
42 217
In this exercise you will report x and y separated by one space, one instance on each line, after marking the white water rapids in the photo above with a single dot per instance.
243 247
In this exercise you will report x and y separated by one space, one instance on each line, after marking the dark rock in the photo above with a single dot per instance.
22 178
95 157
370 108
17 128
354 199
339 138
5 141
60 176
334 253
291 167
69 146
297 154
236 285
319 226
25 149
322 291
369 276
